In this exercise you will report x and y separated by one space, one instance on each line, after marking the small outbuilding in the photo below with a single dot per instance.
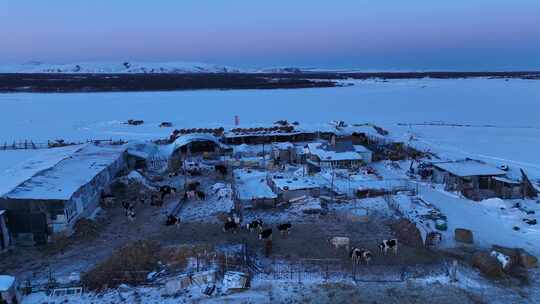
252 190
140 154
474 179
284 152
337 155
294 187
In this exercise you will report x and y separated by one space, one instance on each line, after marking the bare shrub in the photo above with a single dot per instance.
129 264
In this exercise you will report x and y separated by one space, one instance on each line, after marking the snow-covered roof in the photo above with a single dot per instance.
16 172
6 282
469 168
248 149
230 134
62 180
361 149
329 155
193 137
283 145
243 148
506 180
142 149
252 184
295 183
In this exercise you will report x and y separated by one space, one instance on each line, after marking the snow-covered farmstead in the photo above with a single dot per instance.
52 200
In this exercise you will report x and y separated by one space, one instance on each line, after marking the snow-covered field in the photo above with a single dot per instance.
83 115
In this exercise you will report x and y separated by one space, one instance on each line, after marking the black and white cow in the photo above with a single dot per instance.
266 234
166 190
131 213
255 225
173 174
200 195
356 255
284 228
230 225
189 195
234 218
192 186
221 169
172 220
367 256
127 207
361 254
386 245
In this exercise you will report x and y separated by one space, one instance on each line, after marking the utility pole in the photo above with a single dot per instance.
264 157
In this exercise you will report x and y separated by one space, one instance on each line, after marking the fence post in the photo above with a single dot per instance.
226 263
326 275
274 267
291 271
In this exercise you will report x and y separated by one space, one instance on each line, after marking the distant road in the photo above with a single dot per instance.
77 82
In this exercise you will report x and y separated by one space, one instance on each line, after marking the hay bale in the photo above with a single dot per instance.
488 265
463 235
527 260
407 233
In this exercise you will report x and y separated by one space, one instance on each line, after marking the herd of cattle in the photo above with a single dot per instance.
233 223
359 255
158 197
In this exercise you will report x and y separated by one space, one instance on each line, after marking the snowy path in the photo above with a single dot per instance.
487 225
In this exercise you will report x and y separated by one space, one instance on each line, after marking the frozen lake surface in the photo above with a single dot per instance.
92 115
510 107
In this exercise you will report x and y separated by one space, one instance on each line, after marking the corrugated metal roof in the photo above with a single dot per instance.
469 168
194 137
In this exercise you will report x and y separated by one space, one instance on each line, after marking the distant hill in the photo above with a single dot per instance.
119 68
